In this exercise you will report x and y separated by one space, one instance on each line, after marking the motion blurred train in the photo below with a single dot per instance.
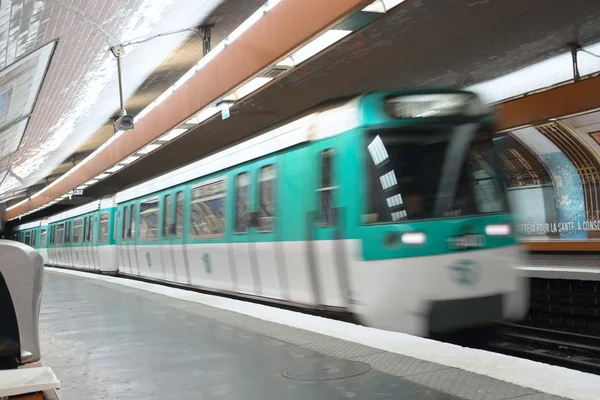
389 206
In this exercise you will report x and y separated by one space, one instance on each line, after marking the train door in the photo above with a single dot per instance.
177 238
50 244
244 256
101 241
133 238
263 231
328 264
89 245
147 240
168 267
93 235
126 232
87 262
120 238
126 243
77 244
60 257
69 243
44 244
206 245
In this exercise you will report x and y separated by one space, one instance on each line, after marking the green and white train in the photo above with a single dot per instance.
388 206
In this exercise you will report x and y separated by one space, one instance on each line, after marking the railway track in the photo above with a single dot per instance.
571 350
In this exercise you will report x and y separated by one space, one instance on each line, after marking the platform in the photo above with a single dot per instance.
109 341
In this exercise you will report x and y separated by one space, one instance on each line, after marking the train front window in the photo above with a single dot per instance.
415 174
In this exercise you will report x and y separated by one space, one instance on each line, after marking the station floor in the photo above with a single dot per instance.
107 341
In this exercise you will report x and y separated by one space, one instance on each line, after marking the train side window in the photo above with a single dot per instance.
132 223
103 237
166 216
125 225
115 220
33 237
60 234
91 229
326 188
207 210
86 227
77 231
148 231
43 237
27 238
179 214
67 232
266 190
242 182
88 235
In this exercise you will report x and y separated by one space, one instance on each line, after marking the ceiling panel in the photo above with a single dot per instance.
80 91
10 138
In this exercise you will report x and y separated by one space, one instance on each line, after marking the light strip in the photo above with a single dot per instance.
382 6
149 148
322 42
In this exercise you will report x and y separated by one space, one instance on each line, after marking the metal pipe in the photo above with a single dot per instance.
120 85
574 49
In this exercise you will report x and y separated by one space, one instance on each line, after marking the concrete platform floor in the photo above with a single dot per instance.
106 341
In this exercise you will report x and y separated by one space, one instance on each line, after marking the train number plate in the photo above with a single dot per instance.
465 242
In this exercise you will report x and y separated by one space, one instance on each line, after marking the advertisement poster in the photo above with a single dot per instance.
553 183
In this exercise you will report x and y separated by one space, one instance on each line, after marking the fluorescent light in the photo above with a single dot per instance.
286 62
129 160
377 151
81 187
150 148
163 96
319 44
388 180
115 168
376 6
90 182
252 86
237 32
270 4
413 238
394 201
203 115
382 6
102 176
173 134
498 230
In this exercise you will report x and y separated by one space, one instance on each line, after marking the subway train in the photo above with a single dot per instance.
389 206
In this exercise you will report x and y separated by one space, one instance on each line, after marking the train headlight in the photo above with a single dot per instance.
498 230
413 238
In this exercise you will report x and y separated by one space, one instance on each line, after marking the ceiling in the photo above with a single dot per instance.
73 112
421 43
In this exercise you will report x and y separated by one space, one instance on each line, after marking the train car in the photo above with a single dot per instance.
82 237
34 234
389 206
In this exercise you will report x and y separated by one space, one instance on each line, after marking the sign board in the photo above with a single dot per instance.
76 192
224 112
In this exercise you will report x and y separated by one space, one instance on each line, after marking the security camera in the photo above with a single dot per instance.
124 123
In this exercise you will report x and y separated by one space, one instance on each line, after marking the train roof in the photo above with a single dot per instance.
33 224
105 202
321 123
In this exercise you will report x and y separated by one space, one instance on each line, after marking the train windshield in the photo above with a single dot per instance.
422 173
